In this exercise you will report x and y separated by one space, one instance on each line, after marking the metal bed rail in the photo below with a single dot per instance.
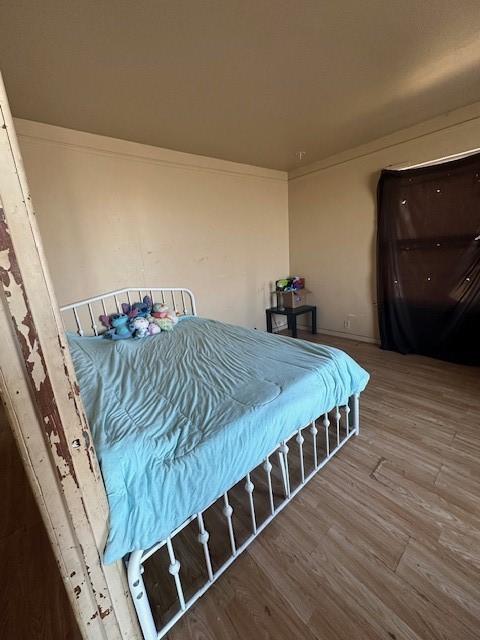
335 428
82 316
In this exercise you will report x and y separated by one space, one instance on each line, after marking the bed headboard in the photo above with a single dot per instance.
82 316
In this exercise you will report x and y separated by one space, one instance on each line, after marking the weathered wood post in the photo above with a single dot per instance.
40 393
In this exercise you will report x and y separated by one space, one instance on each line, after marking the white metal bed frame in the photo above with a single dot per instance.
344 427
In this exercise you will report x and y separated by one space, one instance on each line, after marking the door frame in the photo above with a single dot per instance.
41 395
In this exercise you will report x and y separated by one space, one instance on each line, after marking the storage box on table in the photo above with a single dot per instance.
292 299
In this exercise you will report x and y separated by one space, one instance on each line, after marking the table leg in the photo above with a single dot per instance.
314 320
294 326
269 321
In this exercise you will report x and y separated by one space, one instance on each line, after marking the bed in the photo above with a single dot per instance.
180 418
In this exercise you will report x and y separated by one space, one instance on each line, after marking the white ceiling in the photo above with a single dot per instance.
253 81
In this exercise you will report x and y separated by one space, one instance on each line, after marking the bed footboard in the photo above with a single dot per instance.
282 474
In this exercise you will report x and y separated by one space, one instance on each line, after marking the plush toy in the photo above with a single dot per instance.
159 310
163 317
106 321
144 308
153 329
129 311
141 309
139 325
140 319
142 327
165 324
120 324
117 326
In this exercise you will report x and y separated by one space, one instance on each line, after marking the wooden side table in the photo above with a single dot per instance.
292 317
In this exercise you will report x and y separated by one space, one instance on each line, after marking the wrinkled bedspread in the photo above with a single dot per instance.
180 417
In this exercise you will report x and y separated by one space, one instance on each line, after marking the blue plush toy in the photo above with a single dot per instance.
117 325
138 309
122 325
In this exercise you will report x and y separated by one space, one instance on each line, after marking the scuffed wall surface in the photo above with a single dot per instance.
115 214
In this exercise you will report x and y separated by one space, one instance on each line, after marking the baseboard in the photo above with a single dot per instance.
341 334
281 326
350 336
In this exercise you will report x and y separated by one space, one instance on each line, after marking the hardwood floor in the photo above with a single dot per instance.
385 542
33 602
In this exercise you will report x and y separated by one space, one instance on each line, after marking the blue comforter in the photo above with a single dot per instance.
180 417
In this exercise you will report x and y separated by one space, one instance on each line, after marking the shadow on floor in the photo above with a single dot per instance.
33 601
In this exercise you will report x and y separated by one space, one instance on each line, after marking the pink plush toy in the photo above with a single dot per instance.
153 329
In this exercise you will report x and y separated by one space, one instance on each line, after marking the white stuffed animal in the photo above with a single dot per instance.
140 327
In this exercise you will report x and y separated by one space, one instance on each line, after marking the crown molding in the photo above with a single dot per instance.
38 132
448 120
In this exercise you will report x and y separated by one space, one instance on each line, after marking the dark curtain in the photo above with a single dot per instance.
428 260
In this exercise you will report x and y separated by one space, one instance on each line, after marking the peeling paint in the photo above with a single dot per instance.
19 309
12 281
38 372
86 437
89 449
25 287
61 476
4 261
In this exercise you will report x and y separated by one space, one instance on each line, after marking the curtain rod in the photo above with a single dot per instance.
455 156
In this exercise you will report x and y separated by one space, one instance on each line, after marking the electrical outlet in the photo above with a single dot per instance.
346 324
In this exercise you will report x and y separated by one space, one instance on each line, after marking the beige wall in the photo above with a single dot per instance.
332 216
115 214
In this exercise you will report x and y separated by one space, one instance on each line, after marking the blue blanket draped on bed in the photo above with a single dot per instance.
180 417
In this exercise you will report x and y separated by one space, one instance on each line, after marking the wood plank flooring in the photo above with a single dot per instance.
33 602
385 542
